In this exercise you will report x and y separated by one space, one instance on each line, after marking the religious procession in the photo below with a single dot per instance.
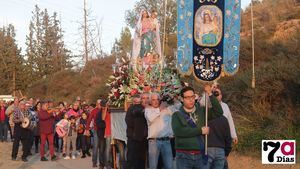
156 110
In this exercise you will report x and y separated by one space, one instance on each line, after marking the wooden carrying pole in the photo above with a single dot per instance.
252 42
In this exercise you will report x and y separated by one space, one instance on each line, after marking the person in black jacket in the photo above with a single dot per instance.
136 134
219 142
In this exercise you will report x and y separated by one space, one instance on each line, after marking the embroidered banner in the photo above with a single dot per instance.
213 31
185 28
232 36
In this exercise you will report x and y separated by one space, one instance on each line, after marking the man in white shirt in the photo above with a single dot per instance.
226 112
159 133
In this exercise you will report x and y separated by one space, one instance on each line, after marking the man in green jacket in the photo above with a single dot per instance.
188 125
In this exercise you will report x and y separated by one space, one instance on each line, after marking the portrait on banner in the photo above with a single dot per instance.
208 26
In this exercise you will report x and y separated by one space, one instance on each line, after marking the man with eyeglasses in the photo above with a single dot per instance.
189 126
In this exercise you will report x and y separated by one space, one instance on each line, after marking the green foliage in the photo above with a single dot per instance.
89 83
46 52
123 46
11 61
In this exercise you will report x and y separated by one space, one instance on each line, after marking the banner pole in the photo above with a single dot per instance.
206 119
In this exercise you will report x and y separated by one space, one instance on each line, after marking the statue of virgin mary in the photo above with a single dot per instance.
146 37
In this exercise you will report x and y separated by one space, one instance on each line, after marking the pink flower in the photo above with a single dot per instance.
133 92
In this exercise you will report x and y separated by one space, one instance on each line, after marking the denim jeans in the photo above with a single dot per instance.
108 153
226 164
95 147
120 145
3 131
98 149
189 161
162 147
216 157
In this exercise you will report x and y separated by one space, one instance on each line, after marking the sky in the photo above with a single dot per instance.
111 14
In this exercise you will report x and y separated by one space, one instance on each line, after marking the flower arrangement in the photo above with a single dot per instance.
125 82
118 84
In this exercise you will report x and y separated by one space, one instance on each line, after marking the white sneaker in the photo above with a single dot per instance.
73 157
67 158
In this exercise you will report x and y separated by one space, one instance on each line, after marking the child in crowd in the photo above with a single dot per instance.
62 129
85 140
70 137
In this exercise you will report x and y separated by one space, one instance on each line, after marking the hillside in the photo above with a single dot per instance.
271 110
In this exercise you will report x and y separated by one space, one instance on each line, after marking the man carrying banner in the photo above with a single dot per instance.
188 127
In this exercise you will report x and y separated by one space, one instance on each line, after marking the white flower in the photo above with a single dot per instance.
113 90
182 2
212 57
226 35
219 58
195 58
201 56
236 16
197 67
201 67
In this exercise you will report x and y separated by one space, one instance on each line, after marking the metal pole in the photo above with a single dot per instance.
164 38
252 29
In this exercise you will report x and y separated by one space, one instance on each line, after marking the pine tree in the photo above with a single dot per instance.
46 52
123 46
11 61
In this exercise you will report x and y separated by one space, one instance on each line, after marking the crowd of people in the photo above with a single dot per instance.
158 132
69 130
